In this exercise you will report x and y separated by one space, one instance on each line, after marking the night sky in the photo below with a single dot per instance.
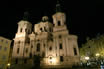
85 18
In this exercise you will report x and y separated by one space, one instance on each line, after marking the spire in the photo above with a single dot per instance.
26 15
58 6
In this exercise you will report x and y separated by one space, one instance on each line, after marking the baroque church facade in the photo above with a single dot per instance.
51 41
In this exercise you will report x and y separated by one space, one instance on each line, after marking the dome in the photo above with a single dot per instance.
45 18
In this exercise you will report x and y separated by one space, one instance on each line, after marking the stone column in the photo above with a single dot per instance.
64 46
67 46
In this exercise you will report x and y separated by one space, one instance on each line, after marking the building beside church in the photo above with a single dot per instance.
50 40
4 52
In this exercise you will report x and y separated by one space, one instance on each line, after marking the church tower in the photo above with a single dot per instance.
66 47
51 41
21 39
59 19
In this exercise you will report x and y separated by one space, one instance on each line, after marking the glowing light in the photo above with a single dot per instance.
97 54
8 64
52 60
87 58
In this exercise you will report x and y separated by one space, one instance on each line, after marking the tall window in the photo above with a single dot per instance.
50 30
17 50
5 49
41 29
30 55
26 50
50 48
60 45
18 42
0 47
31 46
21 30
16 61
60 36
38 47
45 29
25 30
44 45
59 23
61 59
3 57
43 54
25 60
75 51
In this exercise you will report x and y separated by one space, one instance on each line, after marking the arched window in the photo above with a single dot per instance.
50 48
59 23
38 47
41 29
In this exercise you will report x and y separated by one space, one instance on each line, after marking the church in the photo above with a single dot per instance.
49 40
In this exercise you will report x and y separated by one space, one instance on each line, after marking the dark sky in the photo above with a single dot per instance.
85 18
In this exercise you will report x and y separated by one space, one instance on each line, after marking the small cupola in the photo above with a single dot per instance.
45 18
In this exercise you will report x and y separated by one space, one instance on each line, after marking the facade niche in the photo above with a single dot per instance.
60 45
18 51
59 24
50 48
60 36
41 29
30 55
25 61
16 61
21 30
75 51
38 47
26 50
43 54
61 59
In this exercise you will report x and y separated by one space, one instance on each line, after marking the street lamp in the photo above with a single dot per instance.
52 60
97 54
8 65
87 58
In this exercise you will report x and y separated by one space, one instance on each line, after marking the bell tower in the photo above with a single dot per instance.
59 19
24 26
21 39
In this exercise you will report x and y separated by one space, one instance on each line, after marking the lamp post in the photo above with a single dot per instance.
8 66
87 58
97 54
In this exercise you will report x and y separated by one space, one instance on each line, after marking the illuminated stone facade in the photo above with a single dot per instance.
51 41
4 52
